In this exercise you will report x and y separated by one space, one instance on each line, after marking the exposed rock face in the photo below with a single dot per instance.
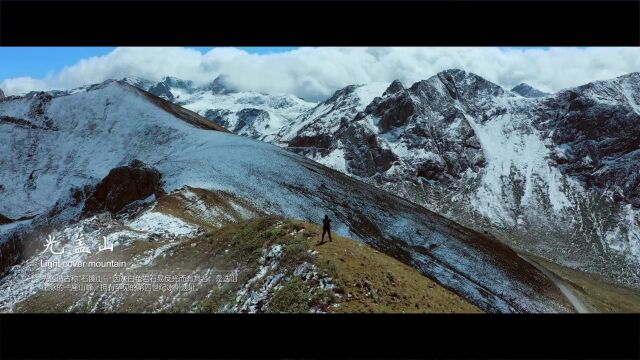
162 90
428 131
416 132
464 85
220 117
138 82
38 107
393 88
316 130
175 82
317 142
529 91
5 220
394 110
1 94
599 142
246 122
218 86
247 117
124 185
367 160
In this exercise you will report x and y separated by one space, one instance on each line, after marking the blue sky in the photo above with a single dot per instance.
39 62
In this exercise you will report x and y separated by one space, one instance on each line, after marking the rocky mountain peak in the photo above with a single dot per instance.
395 86
175 82
454 73
345 91
633 77
219 85
526 90
628 84
162 90
138 82
460 83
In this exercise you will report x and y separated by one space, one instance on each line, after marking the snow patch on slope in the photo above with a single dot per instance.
366 93
509 146
159 223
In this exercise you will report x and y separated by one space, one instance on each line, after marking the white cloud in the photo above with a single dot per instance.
22 84
315 73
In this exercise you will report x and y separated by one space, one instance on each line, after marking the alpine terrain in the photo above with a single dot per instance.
172 191
467 196
555 175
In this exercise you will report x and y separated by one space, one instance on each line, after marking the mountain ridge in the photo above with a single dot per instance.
527 90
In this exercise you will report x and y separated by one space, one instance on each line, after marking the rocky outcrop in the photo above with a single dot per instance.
466 86
5 220
365 156
527 90
124 185
175 82
138 82
220 117
162 90
598 142
247 117
316 129
394 87
394 110
317 142
1 94
42 101
419 129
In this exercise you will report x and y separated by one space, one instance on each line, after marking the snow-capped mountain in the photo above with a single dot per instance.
251 114
139 82
527 90
555 175
314 128
119 163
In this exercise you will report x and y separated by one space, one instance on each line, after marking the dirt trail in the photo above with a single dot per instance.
563 285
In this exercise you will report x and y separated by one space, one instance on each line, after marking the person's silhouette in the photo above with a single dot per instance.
326 228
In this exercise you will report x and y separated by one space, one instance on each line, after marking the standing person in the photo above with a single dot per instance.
326 228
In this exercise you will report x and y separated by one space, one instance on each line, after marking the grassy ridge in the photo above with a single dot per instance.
304 276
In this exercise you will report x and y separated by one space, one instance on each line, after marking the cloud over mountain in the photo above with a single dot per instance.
315 73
